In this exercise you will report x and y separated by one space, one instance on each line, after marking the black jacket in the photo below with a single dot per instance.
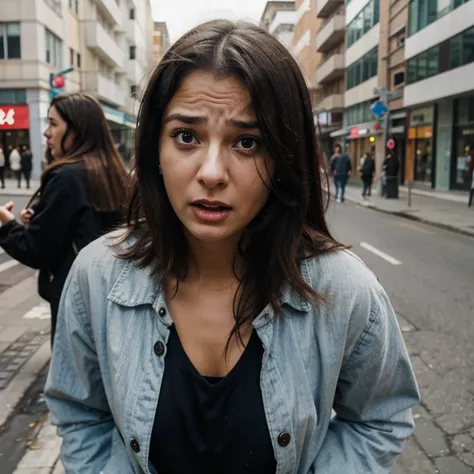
341 165
64 221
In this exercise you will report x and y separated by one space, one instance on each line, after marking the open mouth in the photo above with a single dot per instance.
211 208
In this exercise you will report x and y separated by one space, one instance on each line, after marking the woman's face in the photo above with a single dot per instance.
215 169
54 133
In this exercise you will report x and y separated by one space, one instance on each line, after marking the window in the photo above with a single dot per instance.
71 56
12 96
422 13
131 16
10 44
358 113
398 78
133 52
362 69
468 46
423 66
78 63
77 7
70 4
133 91
367 18
53 49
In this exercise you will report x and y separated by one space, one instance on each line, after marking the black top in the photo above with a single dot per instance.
63 219
211 424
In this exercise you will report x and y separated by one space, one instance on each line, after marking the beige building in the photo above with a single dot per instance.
108 42
304 45
161 41
330 42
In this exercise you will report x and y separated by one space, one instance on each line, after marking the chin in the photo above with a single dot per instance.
210 234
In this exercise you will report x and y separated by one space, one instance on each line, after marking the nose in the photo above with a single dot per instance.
213 170
47 133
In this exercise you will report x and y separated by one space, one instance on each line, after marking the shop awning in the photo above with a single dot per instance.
339 133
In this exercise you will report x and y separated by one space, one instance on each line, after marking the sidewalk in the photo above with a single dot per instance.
11 188
445 210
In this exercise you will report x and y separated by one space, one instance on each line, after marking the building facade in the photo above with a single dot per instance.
330 75
279 19
161 41
439 95
108 42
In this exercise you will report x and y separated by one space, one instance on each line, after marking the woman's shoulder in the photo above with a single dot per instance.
345 278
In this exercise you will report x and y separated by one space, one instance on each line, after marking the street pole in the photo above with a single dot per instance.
384 99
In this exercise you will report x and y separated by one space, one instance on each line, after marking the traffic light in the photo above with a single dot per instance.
56 82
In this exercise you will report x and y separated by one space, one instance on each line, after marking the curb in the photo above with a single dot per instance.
410 216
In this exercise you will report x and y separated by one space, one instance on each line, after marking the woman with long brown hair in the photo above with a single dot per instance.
79 197
220 330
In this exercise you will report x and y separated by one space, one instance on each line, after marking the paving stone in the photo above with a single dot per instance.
4 375
451 465
463 446
11 333
414 461
419 411
431 438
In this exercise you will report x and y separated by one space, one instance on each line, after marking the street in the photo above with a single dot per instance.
427 272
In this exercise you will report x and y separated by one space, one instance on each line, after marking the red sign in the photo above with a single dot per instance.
354 133
14 117
391 144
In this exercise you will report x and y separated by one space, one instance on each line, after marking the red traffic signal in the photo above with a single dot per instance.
58 82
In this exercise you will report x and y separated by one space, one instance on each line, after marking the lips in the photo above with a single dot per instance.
210 211
211 205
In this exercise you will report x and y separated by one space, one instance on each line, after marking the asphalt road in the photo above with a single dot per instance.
428 274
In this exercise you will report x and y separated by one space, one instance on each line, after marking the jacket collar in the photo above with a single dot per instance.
136 286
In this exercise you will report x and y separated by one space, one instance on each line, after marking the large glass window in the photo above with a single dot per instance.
12 96
362 69
468 46
421 13
53 49
10 41
455 57
367 18
358 113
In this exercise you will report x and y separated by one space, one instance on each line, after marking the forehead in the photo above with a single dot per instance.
53 113
206 92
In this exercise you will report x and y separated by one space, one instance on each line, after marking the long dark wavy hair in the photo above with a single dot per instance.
93 145
291 226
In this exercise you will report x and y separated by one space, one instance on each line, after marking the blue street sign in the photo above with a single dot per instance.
379 109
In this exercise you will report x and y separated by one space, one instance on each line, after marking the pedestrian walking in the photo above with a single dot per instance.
26 164
78 200
2 168
341 168
15 164
218 330
367 173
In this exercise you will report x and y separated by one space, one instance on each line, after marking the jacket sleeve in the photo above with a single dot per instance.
374 395
42 241
75 391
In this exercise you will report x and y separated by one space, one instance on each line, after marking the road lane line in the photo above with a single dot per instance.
407 225
380 254
7 265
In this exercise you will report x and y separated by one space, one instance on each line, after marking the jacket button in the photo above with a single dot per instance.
284 439
134 445
159 348
162 312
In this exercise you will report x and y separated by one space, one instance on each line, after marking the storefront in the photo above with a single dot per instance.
122 127
14 128
419 159
361 141
463 143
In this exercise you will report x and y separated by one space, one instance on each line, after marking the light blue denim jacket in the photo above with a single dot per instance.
105 375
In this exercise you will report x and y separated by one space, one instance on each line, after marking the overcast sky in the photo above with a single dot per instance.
181 15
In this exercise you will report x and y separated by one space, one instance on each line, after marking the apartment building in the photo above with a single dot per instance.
330 74
161 41
439 93
108 42
304 45
279 19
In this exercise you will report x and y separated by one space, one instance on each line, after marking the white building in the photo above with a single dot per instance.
108 42
439 93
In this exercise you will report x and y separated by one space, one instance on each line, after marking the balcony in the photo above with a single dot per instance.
331 102
132 32
331 69
331 34
134 72
325 8
282 18
99 41
104 89
111 11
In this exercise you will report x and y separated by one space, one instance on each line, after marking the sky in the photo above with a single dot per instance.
181 15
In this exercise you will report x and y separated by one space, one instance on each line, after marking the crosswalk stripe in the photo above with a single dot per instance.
7 265
1 251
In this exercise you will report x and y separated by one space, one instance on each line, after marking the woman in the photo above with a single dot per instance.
15 164
78 200
2 168
367 171
218 332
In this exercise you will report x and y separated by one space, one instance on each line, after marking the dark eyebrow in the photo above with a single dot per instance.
190 120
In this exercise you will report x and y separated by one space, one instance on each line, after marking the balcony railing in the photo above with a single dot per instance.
331 69
331 33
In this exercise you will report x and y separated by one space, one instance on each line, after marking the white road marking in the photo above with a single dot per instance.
407 225
41 311
7 265
380 254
